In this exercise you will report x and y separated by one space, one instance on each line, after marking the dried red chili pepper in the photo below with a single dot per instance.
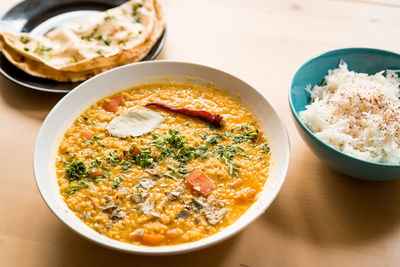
212 118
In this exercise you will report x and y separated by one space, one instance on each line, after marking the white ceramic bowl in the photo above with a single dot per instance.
75 102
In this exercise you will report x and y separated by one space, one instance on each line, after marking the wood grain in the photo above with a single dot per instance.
320 218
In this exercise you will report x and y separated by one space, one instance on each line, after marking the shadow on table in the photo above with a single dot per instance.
82 252
343 211
29 102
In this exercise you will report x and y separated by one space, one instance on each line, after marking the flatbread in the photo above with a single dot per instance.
80 50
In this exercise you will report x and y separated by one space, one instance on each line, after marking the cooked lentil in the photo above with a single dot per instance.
134 189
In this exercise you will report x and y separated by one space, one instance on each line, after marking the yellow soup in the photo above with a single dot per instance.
149 189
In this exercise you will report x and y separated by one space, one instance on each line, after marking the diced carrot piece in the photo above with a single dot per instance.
96 173
135 237
87 135
134 150
152 239
199 182
259 135
113 103
238 182
173 233
246 194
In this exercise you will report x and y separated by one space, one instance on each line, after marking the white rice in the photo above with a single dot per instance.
357 114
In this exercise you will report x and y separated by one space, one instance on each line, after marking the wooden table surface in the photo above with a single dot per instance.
320 217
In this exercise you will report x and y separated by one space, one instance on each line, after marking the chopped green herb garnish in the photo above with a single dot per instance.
135 8
233 169
170 176
171 168
88 142
213 139
86 37
183 171
244 127
24 40
226 153
100 54
26 49
265 148
42 48
74 59
107 42
144 158
248 136
112 159
75 170
116 183
73 189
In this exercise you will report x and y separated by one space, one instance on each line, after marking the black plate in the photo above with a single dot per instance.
36 15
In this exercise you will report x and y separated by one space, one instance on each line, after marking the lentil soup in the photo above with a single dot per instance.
181 182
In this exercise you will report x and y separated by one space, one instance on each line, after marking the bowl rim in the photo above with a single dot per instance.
304 127
162 250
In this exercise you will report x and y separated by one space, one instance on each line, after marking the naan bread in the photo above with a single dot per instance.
80 50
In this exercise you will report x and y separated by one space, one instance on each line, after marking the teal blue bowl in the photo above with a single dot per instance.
312 73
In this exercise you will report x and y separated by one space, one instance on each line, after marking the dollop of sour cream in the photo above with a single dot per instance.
134 123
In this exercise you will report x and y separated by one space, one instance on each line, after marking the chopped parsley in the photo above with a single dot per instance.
112 159
74 59
265 148
24 40
42 48
116 183
26 49
213 139
75 170
246 137
144 158
88 142
135 8
107 42
73 189
100 54
233 169
86 37
172 144
226 154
